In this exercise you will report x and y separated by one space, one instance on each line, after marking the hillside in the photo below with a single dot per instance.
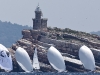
10 33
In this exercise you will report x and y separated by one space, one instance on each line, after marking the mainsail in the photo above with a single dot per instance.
35 60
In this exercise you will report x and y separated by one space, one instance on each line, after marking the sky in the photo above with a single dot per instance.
81 15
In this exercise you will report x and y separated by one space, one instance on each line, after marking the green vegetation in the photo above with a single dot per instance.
69 31
10 33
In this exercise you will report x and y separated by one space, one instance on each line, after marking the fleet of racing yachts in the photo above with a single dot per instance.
54 57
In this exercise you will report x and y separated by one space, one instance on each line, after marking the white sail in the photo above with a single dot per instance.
35 60
23 59
87 58
5 59
56 60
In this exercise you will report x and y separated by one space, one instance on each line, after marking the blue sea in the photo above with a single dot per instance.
50 73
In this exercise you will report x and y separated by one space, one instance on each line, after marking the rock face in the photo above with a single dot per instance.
67 44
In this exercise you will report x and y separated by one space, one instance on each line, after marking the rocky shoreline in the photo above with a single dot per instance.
67 44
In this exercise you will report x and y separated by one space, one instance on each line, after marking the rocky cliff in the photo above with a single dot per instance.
66 41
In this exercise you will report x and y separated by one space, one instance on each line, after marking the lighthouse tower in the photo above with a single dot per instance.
38 22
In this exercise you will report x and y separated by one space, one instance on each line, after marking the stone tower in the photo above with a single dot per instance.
38 22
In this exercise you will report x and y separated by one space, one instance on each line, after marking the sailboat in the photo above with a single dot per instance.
23 59
36 65
87 58
5 59
55 59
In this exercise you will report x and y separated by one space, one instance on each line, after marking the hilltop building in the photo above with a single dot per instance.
38 22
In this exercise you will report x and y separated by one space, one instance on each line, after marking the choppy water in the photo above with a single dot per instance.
49 73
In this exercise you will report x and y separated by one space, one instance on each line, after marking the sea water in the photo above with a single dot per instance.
50 73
